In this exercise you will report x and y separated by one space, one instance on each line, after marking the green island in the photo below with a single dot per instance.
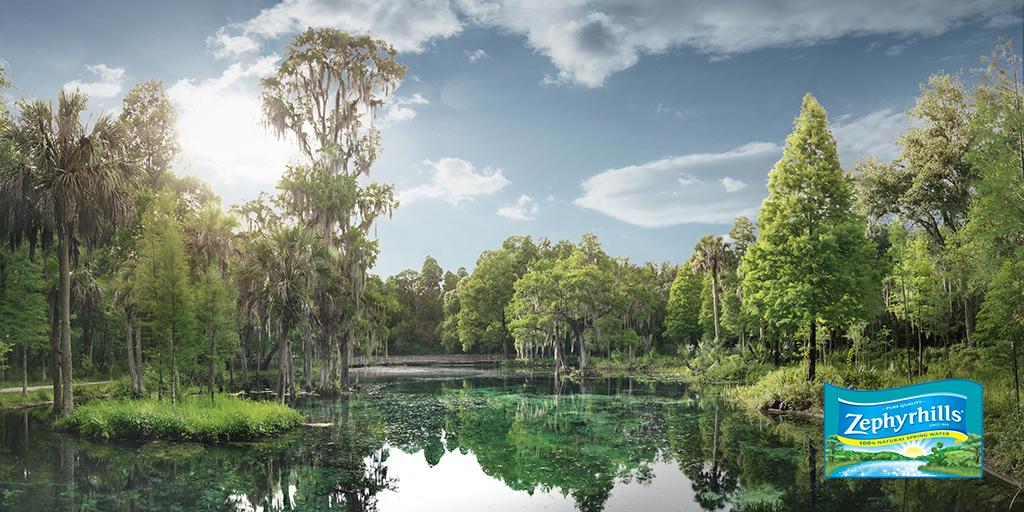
163 349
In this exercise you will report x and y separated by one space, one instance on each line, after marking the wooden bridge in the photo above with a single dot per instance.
427 360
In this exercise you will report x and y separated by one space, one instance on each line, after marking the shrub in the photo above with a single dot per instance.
228 418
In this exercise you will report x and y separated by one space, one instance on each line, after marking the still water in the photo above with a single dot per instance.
463 440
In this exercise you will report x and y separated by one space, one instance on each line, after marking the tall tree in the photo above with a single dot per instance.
74 185
811 260
151 121
710 257
324 95
682 322
162 291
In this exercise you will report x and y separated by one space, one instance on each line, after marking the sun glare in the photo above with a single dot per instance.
913 451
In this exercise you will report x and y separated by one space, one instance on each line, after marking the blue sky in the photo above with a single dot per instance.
647 123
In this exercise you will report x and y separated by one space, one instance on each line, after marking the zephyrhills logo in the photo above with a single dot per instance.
930 430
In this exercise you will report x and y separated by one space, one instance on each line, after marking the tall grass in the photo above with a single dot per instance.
227 418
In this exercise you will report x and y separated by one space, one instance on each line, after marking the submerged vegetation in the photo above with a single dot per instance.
198 419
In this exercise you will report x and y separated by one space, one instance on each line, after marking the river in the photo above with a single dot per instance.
468 440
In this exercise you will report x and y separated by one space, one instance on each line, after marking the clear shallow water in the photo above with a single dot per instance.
461 440
884 469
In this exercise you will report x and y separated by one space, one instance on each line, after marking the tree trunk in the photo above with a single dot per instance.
24 367
714 300
213 357
174 373
282 365
307 359
132 375
140 370
64 260
345 345
812 348
578 332
244 356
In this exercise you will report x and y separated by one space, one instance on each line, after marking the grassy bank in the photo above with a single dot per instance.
227 418
83 392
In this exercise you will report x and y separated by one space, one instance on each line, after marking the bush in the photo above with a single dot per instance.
228 418
788 388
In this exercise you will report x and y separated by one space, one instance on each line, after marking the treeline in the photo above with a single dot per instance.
147 274
924 252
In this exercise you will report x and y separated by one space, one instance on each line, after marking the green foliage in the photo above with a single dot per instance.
682 322
161 285
227 418
487 291
23 308
811 260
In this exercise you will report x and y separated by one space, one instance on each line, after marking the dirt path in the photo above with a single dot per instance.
37 388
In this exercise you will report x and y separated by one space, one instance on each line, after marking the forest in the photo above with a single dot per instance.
117 266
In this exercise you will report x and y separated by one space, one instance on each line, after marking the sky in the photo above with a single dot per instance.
647 123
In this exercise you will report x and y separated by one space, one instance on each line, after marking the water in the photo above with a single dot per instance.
884 469
466 440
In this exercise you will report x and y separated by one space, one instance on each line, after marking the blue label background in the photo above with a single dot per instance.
909 405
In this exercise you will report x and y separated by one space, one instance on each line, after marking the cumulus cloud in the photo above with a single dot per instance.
731 185
871 134
219 127
477 55
588 41
407 24
109 82
226 46
682 189
525 208
398 108
455 181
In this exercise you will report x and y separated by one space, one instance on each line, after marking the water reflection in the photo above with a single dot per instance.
472 441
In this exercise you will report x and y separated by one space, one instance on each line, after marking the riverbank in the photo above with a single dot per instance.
43 395
194 418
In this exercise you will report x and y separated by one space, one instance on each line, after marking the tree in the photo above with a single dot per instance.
709 257
73 185
488 290
151 121
811 260
995 228
23 309
215 299
280 267
682 321
324 95
161 286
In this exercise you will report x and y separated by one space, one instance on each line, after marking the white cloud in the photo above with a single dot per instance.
731 185
226 46
895 50
109 84
477 55
669 191
407 24
524 208
220 131
397 108
455 181
665 109
588 41
872 134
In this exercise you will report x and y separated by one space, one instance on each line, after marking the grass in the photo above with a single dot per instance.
227 418
951 470
44 396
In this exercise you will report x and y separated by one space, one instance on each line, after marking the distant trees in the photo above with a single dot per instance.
23 308
811 261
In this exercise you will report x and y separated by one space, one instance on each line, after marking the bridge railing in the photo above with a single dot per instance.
426 360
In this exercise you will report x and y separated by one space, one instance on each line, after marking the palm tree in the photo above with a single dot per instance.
709 255
280 266
70 185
